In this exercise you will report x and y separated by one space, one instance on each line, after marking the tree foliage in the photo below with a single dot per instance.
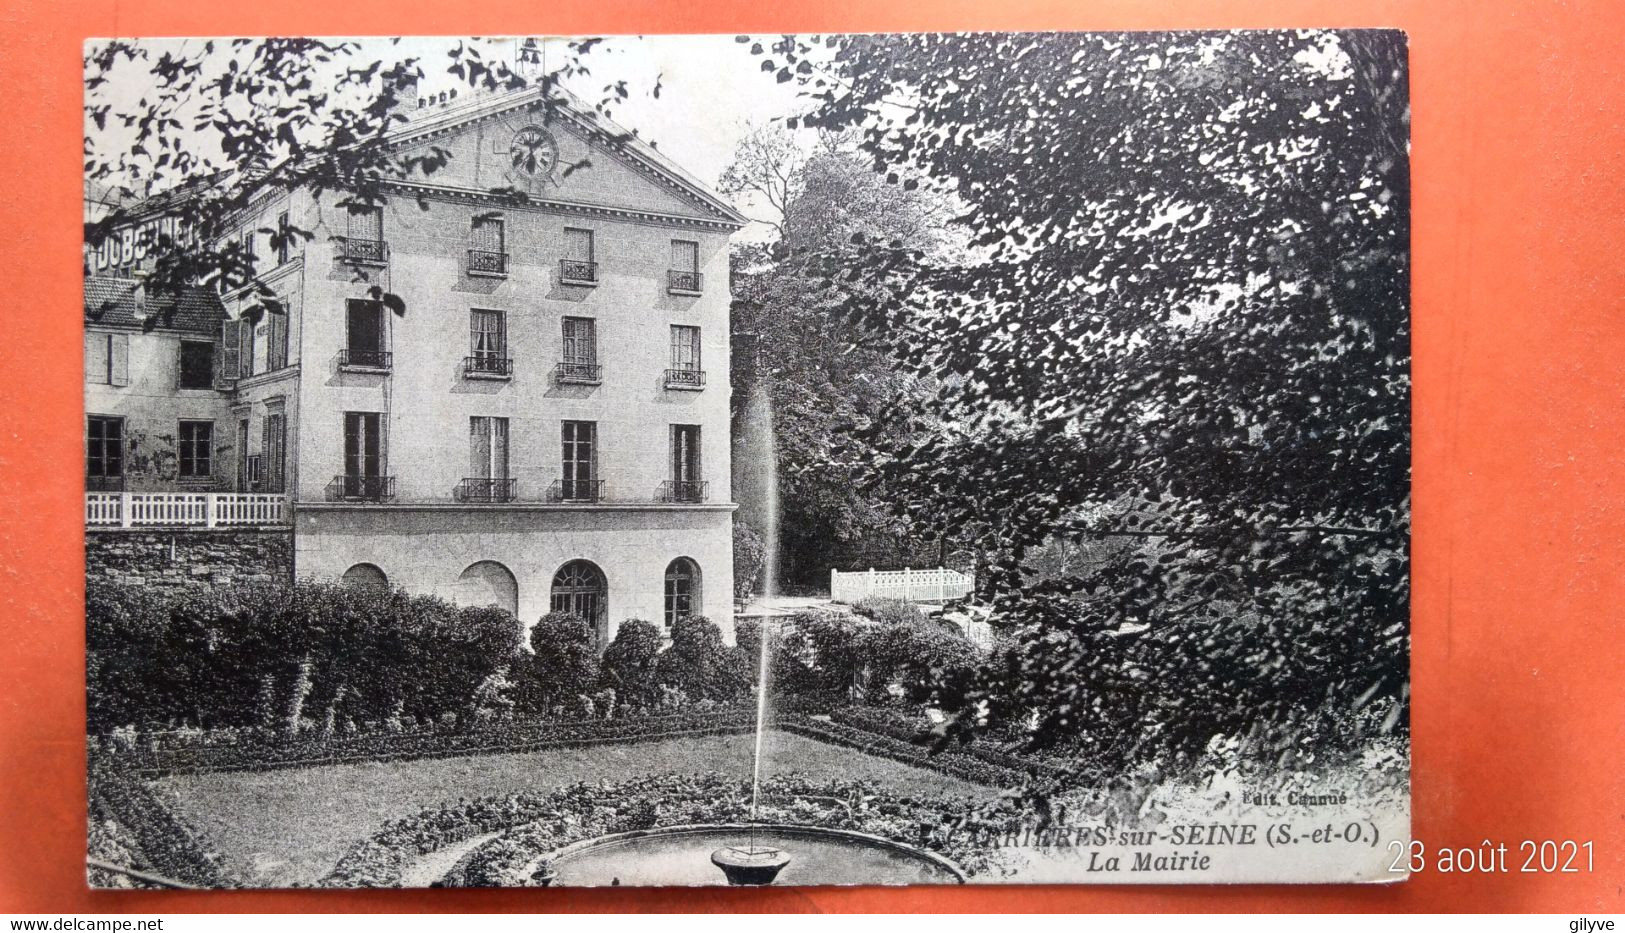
825 376
1185 330
630 661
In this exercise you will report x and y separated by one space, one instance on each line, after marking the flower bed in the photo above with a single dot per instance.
130 827
537 824
896 725
952 763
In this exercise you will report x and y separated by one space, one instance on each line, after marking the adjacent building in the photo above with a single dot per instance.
540 423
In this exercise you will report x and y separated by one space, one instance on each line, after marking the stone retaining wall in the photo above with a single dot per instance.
177 558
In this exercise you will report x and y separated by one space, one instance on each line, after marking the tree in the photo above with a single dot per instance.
749 557
564 660
1185 329
823 376
630 661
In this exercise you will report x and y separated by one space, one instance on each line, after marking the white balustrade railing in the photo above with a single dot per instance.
937 584
184 509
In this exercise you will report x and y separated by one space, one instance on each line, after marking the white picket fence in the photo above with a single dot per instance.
186 509
936 585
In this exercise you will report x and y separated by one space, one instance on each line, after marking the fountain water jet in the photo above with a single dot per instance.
753 866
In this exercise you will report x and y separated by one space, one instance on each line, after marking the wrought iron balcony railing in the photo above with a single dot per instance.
685 378
678 490
366 359
487 262
487 366
683 283
355 249
361 489
474 489
578 272
576 490
572 373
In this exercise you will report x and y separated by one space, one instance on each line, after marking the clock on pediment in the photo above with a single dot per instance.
534 151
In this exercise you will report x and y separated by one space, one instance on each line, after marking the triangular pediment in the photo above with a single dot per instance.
597 163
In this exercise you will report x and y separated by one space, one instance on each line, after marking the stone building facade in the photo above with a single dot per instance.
542 421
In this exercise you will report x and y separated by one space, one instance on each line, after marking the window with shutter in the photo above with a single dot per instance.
578 244
119 350
580 341
273 448
230 344
99 359
368 224
685 256
685 348
488 234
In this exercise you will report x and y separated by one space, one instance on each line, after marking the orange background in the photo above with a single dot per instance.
1519 431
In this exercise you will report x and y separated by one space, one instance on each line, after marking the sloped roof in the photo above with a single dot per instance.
113 302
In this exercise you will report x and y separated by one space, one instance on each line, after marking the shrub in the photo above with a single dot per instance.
630 662
563 662
700 665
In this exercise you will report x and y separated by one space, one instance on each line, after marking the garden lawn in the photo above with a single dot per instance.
289 826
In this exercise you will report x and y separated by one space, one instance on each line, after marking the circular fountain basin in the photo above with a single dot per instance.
682 855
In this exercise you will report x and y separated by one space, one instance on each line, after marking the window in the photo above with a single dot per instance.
107 359
284 239
363 456
488 448
487 247
196 449
685 371
580 363
197 364
367 224
364 333
365 576
685 484
685 256
685 266
578 244
580 461
104 466
276 344
273 448
488 334
579 589
578 265
682 590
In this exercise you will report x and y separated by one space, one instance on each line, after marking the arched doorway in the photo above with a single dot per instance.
488 583
579 588
365 576
682 590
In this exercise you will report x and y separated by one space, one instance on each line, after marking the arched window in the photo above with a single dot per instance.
682 589
365 576
579 589
488 583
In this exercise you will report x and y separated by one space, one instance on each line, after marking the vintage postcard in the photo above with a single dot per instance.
700 460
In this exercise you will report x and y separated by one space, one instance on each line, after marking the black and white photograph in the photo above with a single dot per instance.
841 459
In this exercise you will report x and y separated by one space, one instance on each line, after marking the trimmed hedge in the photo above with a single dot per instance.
155 759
